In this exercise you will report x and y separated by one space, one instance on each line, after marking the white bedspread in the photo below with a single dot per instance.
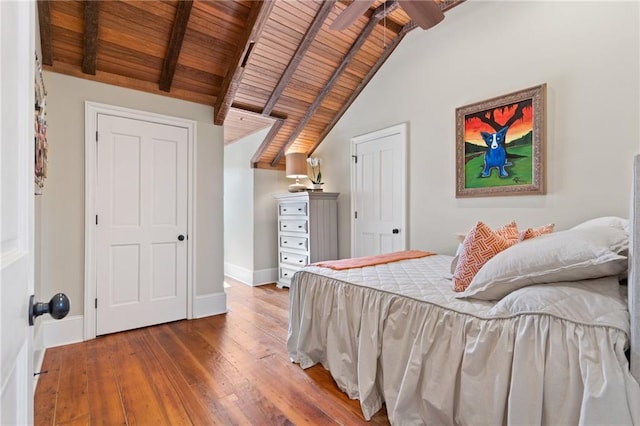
545 354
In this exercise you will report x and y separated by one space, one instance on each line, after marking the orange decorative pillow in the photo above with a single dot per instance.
480 245
509 231
536 232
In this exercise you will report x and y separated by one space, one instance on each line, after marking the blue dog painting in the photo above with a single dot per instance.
496 156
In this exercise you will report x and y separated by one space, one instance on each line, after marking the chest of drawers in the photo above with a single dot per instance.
307 231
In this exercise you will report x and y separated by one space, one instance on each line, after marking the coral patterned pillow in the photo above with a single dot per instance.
480 245
536 232
509 231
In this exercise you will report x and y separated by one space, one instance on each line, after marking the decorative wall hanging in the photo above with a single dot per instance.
41 145
500 145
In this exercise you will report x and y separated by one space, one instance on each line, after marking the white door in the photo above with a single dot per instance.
378 192
141 232
16 210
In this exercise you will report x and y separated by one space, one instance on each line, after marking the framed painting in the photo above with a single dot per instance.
41 147
500 145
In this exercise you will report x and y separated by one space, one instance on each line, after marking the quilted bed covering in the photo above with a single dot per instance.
544 354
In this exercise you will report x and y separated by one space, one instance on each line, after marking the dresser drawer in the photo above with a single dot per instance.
291 225
300 243
286 274
291 209
293 258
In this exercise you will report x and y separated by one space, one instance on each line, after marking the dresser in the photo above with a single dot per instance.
307 231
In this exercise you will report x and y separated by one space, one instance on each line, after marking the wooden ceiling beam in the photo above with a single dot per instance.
275 128
256 110
379 13
130 83
388 50
90 37
266 165
183 11
301 51
391 25
256 21
44 20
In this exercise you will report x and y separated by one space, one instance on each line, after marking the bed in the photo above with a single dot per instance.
530 344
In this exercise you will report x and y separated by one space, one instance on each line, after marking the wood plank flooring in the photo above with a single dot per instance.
230 369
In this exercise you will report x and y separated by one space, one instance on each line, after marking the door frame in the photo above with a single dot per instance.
92 109
367 137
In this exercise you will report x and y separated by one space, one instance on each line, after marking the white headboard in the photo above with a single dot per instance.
634 270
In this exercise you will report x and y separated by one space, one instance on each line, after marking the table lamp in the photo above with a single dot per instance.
296 168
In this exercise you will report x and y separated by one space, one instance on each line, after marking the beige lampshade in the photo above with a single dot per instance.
296 165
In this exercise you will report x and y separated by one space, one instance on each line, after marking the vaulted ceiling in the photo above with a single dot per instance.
271 63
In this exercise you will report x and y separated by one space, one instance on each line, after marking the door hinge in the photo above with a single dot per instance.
96 136
96 219
355 215
355 158
96 303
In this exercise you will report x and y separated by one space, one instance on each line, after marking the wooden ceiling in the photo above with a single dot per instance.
258 63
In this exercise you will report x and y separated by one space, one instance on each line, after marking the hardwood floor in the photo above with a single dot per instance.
230 369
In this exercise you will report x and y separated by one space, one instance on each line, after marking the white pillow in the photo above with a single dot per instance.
612 221
454 261
576 254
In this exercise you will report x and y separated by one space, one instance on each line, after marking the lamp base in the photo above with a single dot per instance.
297 187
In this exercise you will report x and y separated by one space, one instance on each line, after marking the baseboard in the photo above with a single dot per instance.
249 277
62 332
238 273
265 276
210 304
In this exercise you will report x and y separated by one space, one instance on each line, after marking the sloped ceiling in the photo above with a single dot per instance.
271 63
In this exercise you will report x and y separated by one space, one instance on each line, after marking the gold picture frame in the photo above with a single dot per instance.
500 145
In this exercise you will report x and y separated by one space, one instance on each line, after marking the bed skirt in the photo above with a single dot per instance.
431 365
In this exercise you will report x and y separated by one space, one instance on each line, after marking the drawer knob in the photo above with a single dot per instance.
299 244
299 226
299 210
299 261
286 258
285 274
284 210
285 242
284 226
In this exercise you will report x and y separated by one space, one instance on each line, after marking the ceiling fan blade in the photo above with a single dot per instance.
352 12
425 13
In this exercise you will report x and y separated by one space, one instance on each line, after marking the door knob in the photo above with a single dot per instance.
395 231
181 237
58 307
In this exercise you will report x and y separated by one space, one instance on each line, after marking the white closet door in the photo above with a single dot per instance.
141 249
378 192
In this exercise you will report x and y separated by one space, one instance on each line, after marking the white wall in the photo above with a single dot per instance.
265 219
586 52
250 222
238 203
62 203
